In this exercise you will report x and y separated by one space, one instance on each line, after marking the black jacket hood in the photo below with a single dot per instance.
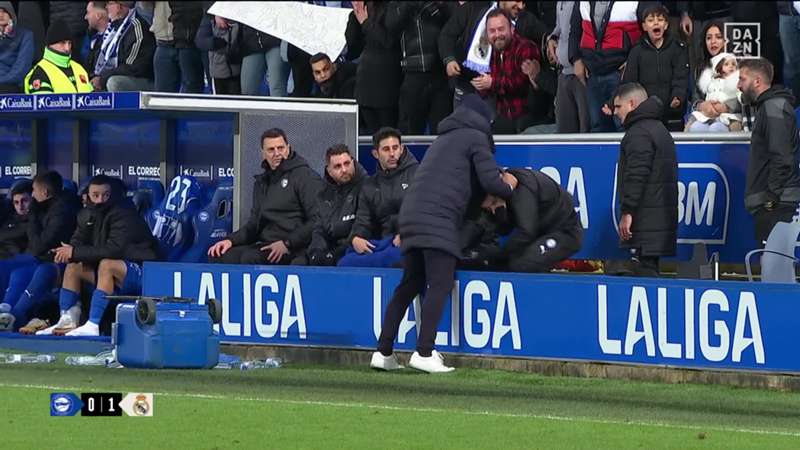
775 92
464 117
649 109
294 161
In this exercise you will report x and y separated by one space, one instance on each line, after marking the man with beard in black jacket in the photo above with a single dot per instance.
336 207
334 79
375 235
107 250
14 230
773 181
647 180
541 218
458 170
425 98
282 216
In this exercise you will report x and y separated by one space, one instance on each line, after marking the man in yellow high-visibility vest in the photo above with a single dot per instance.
57 73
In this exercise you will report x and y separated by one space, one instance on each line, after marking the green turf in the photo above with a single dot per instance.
336 407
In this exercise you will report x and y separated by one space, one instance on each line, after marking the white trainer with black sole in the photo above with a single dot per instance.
431 364
386 363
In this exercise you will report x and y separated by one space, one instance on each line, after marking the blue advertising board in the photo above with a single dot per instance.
711 183
691 324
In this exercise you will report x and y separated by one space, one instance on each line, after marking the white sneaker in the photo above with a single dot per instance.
68 321
87 329
431 364
387 363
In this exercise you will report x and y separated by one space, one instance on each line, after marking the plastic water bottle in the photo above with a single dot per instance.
29 359
269 363
83 360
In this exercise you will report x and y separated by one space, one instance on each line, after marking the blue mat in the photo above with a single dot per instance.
55 344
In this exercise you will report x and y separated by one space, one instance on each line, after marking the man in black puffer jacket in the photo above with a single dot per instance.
773 180
648 177
546 229
375 236
424 96
14 230
458 169
282 216
107 250
336 207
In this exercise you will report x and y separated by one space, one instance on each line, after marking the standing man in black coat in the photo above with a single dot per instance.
375 236
647 180
430 219
379 75
284 206
773 181
546 229
425 98
336 207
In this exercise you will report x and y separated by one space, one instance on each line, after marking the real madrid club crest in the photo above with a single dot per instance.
141 406
284 182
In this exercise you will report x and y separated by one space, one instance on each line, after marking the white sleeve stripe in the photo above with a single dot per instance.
137 26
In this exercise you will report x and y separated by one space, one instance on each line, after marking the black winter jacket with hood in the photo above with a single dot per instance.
336 213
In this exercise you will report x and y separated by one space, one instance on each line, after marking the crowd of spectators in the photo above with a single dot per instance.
543 67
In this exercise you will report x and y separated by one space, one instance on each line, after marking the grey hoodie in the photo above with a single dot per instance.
10 10
562 30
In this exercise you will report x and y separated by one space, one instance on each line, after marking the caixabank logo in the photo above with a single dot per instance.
704 203
54 102
16 103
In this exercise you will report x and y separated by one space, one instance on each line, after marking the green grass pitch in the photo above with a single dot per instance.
329 407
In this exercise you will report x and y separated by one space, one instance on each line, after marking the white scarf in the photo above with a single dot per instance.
107 59
479 56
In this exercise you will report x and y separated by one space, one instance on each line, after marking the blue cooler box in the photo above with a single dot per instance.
180 336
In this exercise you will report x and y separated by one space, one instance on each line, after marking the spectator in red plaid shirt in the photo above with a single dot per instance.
506 82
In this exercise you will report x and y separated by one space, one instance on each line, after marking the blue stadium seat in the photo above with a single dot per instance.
149 194
212 223
171 222
797 115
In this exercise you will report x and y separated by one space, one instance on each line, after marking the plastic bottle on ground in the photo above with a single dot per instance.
19 358
269 363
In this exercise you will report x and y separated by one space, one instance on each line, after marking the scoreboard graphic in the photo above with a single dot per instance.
105 404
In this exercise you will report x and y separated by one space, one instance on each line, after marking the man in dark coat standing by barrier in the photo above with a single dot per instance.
647 180
773 181
430 218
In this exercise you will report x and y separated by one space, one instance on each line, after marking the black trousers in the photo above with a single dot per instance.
228 86
425 100
421 267
765 219
301 72
252 254
375 118
545 252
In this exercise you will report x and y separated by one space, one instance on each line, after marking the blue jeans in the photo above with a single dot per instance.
385 254
36 293
256 65
599 90
176 67
790 41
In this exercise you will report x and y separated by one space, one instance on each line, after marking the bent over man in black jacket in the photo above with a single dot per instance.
336 207
284 206
546 229
107 250
773 180
648 179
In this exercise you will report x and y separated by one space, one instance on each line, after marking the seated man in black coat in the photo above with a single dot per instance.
336 207
14 230
648 174
546 229
334 79
107 250
282 216
375 236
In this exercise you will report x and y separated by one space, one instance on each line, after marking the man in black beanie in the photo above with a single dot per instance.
431 216
57 73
